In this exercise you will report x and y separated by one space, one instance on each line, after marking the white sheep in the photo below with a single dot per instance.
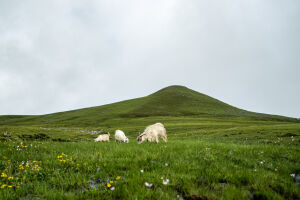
102 138
120 136
152 133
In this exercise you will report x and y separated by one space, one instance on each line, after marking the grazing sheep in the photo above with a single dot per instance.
102 138
152 133
120 136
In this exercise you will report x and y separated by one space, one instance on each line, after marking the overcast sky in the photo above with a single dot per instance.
60 55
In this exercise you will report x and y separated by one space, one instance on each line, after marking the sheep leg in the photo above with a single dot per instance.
165 138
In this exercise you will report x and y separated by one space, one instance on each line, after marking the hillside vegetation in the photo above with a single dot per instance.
173 101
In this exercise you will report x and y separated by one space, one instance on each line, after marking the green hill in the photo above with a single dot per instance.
172 101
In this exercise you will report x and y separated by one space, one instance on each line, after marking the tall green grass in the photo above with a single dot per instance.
195 167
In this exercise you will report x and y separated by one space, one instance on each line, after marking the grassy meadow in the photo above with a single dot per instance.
218 152
208 160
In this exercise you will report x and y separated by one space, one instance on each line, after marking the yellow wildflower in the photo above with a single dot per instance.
108 185
3 175
118 177
21 167
10 178
10 186
111 182
3 186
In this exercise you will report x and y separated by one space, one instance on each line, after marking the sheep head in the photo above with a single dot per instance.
141 138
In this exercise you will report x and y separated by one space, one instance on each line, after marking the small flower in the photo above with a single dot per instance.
118 177
149 185
10 186
166 164
292 175
111 182
142 171
3 175
112 188
165 182
10 178
3 186
21 167
108 185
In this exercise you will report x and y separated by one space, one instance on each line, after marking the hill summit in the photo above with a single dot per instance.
179 100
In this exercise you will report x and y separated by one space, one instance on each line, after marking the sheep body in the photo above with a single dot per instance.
152 133
102 138
120 136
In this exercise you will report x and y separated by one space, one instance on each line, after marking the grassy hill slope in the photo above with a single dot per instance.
173 101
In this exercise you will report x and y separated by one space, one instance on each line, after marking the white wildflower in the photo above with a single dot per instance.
165 182
149 185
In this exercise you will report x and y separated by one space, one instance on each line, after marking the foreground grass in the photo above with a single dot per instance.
195 168
207 157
